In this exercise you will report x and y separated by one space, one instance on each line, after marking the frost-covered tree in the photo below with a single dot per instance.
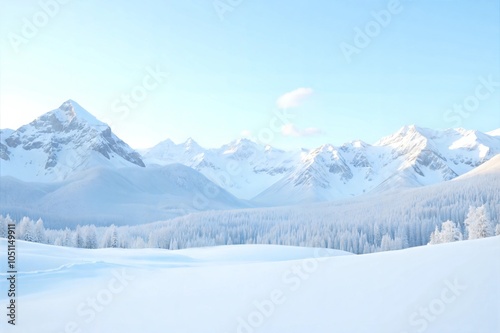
449 233
153 241
435 237
478 223
27 230
58 241
78 240
139 243
90 237
390 244
173 245
385 244
111 237
497 229
40 232
3 226
67 238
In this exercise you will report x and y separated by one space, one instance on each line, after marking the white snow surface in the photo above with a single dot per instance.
490 167
442 288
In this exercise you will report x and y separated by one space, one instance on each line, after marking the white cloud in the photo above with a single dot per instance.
246 134
293 98
292 130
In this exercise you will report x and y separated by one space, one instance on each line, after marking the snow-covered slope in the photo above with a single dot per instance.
490 167
494 133
358 225
61 142
270 289
242 167
120 196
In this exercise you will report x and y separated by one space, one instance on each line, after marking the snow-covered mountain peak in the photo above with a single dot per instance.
241 143
166 143
268 149
190 144
358 144
354 145
409 130
407 134
241 148
71 111
62 142
325 148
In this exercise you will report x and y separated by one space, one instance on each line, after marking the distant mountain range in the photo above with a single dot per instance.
68 156
411 157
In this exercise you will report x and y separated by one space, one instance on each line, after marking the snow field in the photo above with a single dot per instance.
257 288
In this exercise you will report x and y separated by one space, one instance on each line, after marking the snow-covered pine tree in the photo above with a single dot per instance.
110 237
478 223
435 237
78 240
90 236
67 238
139 243
40 232
449 233
3 226
27 230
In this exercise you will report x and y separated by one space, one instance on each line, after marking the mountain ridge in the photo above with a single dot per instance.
412 156
65 141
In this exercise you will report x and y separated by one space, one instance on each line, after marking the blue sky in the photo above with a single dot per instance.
221 69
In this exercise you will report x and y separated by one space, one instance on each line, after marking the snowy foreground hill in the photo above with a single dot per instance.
256 288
